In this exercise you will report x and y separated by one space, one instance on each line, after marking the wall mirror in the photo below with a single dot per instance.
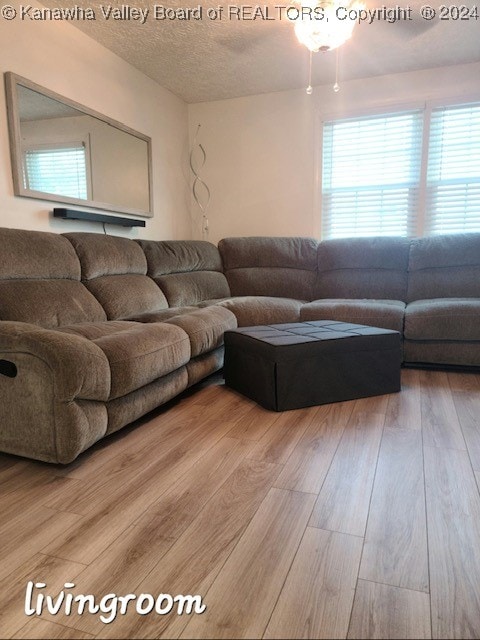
64 152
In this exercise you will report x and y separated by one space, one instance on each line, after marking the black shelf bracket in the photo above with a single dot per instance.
71 214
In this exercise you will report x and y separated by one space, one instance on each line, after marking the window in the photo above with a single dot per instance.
373 181
371 169
453 182
57 168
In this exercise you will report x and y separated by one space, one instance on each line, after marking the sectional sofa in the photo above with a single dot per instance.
96 330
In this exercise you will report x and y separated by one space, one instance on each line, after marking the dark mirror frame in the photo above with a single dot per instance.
12 81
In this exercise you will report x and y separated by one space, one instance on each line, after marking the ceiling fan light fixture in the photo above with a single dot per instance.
319 26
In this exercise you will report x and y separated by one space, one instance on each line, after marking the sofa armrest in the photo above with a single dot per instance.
79 368
54 388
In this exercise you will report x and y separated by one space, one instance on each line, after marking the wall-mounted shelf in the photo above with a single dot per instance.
71 214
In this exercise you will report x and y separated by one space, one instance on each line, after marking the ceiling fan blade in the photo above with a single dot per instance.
414 28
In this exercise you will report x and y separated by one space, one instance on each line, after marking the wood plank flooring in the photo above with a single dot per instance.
354 520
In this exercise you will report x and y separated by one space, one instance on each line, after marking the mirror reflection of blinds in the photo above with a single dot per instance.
453 179
58 169
371 174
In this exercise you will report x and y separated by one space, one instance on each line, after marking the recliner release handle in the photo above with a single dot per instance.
8 369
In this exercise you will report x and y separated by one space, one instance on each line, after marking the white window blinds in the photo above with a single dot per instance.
58 169
371 174
453 179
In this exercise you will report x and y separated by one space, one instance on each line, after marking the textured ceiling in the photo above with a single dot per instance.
212 60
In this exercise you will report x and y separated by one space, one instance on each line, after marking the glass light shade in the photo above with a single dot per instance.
330 32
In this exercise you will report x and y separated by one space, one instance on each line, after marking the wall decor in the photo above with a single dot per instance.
65 152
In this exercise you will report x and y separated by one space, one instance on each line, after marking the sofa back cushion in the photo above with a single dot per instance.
114 270
278 267
363 268
40 281
444 267
187 271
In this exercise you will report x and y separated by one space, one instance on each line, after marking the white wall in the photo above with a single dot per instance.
263 151
63 59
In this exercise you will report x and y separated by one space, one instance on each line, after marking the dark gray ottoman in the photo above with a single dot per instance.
289 366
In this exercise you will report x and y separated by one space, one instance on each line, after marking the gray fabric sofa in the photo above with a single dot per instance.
96 331
442 317
361 280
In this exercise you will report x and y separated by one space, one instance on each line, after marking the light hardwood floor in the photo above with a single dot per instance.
354 520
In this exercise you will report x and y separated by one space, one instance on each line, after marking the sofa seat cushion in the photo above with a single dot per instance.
260 310
205 327
94 330
443 319
137 353
386 314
